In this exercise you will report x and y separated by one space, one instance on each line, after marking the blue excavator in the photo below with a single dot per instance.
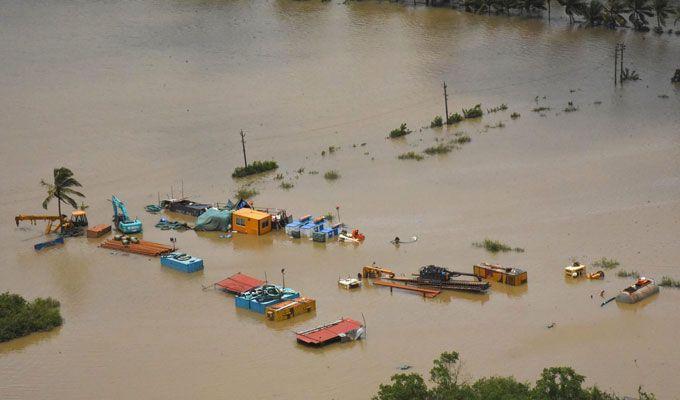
121 219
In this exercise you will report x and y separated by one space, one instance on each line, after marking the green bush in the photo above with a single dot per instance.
19 317
462 139
605 263
454 119
502 107
515 115
669 282
441 148
411 155
474 112
254 168
540 109
626 274
494 246
331 175
246 193
437 122
399 132
286 185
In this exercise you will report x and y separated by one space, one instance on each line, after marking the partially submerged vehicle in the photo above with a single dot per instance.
596 275
641 289
575 270
349 283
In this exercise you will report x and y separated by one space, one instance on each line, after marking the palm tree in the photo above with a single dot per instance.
61 189
613 13
531 5
639 11
593 12
662 9
572 7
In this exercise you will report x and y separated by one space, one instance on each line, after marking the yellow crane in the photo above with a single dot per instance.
78 218
372 271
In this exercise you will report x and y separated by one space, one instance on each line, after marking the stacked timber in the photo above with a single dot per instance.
143 247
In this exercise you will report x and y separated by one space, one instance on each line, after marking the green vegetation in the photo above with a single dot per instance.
329 216
556 383
628 75
286 185
439 149
541 109
494 246
331 175
454 119
605 263
502 107
254 168
626 274
331 149
301 170
399 132
515 115
570 107
461 139
313 172
474 112
278 177
437 122
19 317
499 124
669 282
246 193
61 189
411 155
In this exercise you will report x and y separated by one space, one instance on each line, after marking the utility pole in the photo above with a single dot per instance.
622 47
243 144
616 61
548 12
446 104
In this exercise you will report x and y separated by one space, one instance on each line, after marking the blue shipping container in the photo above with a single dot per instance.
180 262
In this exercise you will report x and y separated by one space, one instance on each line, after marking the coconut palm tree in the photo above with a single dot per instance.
61 189
613 13
662 9
593 13
639 11
572 8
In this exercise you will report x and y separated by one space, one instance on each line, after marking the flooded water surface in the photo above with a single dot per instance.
137 97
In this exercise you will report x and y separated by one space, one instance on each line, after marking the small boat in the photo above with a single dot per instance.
349 283
596 275
575 270
641 289
50 243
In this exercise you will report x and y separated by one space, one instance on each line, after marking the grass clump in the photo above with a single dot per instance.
411 155
301 170
462 139
278 177
332 149
437 122
254 168
399 132
502 107
541 109
669 282
499 124
495 246
246 193
605 263
19 317
331 175
286 185
313 172
474 112
454 119
570 107
515 115
626 274
441 148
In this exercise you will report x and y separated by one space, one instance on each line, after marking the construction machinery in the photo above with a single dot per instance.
121 220
442 278
372 271
78 219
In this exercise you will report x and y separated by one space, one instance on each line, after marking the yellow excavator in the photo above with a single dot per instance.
372 271
78 218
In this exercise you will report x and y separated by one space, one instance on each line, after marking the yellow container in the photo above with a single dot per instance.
497 273
251 221
289 309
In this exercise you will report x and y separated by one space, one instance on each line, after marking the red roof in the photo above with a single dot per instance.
239 283
327 332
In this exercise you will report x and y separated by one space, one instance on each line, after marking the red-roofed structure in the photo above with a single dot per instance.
239 283
345 329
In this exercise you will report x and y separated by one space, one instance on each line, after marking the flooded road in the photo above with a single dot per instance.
136 97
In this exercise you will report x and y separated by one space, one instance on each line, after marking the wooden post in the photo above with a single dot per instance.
243 144
446 104
623 46
616 61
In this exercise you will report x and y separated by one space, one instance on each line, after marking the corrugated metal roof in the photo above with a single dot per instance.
328 332
250 213
239 283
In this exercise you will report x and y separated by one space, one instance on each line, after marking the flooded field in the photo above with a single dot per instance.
136 97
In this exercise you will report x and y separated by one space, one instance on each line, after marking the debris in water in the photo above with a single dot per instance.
404 367
551 325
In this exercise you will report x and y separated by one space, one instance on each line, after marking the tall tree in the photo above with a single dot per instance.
613 13
61 189
572 8
639 11
593 13
662 9
529 6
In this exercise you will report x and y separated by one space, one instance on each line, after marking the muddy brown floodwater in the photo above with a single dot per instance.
139 96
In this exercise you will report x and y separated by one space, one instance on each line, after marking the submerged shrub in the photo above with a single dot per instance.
454 119
669 282
494 246
605 263
515 115
331 175
19 317
286 185
541 109
474 112
502 107
626 274
399 132
411 155
254 168
438 149
437 122
246 193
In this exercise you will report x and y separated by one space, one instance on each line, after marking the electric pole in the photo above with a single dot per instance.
243 144
446 104
616 61
622 47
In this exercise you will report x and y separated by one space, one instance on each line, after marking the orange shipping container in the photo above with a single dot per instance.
251 221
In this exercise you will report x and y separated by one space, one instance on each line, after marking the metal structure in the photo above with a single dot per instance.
121 220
